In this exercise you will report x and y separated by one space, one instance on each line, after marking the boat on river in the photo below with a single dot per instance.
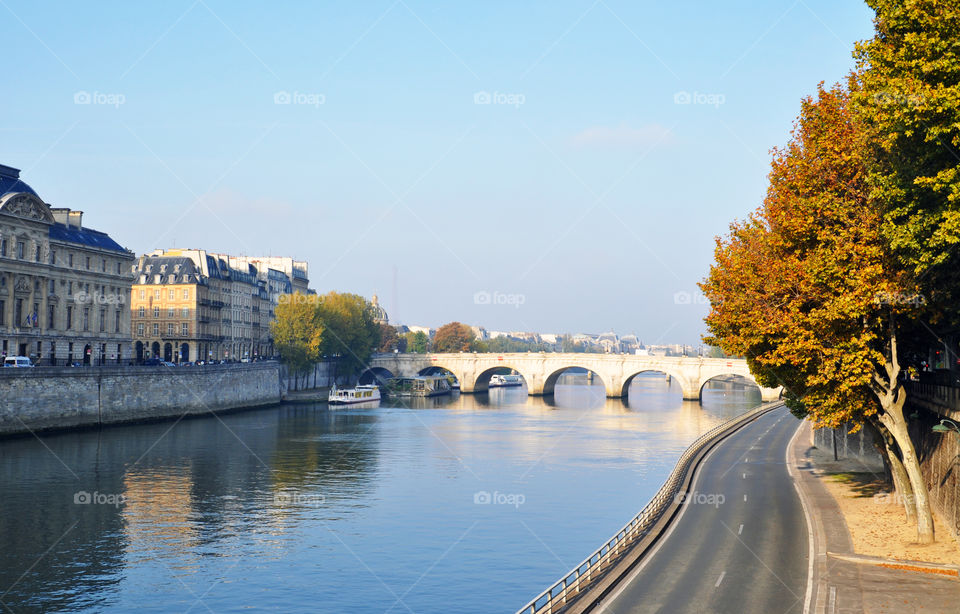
505 381
366 393
419 386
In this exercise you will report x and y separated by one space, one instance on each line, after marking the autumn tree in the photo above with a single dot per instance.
453 337
389 339
808 291
297 332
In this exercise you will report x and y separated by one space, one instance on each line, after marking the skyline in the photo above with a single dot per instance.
500 149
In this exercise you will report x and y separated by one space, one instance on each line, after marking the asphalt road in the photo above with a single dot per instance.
740 544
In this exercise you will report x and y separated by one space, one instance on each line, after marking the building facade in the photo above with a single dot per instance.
190 304
64 288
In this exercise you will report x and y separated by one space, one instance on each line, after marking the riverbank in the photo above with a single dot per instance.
50 398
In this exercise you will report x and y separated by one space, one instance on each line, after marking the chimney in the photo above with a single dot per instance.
60 215
75 217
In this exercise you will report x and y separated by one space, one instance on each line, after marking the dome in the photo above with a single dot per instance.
379 313
10 182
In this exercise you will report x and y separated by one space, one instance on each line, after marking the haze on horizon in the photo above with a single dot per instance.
577 158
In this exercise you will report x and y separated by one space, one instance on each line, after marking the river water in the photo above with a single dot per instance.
471 503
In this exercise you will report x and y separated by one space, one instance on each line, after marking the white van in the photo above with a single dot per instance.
17 361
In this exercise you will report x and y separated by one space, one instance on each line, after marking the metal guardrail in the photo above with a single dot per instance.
578 579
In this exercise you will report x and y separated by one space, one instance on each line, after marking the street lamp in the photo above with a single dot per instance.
943 428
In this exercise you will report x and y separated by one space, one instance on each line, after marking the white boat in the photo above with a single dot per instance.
505 381
366 393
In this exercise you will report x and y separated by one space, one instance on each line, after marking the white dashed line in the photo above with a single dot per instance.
740 530
720 579
744 476
744 497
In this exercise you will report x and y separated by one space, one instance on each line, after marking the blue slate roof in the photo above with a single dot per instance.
84 236
10 181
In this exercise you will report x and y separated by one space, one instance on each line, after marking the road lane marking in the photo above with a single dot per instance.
811 546
740 530
744 476
720 579
744 497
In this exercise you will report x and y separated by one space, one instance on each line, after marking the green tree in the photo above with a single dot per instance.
417 342
350 331
454 337
297 332
807 290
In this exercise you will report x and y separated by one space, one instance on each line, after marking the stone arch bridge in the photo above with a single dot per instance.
541 370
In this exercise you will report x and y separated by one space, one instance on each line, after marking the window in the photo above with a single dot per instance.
53 287
140 330
169 329
169 312
172 294
18 312
70 288
103 320
3 313
116 321
140 311
118 268
86 318
156 294
50 314
186 294
36 253
103 265
70 322
143 294
184 329
3 248
53 256
185 312
20 248
156 312
88 262
70 260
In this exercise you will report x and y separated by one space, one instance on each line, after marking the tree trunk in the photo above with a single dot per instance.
892 418
887 447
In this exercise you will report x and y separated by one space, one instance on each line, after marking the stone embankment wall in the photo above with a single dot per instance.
858 446
54 398
321 376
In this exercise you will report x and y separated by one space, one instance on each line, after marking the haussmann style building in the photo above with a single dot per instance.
190 304
64 288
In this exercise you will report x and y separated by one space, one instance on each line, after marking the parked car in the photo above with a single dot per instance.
17 361
164 363
152 362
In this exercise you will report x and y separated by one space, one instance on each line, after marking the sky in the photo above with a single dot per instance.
541 166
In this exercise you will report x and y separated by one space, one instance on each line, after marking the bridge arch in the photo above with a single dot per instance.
375 375
550 382
674 376
482 380
737 379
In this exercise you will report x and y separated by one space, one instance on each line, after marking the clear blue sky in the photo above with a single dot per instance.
583 187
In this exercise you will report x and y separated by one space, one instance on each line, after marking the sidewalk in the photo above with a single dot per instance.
847 583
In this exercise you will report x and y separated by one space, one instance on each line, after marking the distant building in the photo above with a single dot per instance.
64 288
379 313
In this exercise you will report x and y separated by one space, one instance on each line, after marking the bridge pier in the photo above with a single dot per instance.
769 395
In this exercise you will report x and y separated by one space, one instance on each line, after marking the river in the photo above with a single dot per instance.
470 503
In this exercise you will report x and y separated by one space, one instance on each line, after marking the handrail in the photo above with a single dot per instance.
577 579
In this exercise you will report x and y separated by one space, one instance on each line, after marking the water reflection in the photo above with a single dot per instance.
291 507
